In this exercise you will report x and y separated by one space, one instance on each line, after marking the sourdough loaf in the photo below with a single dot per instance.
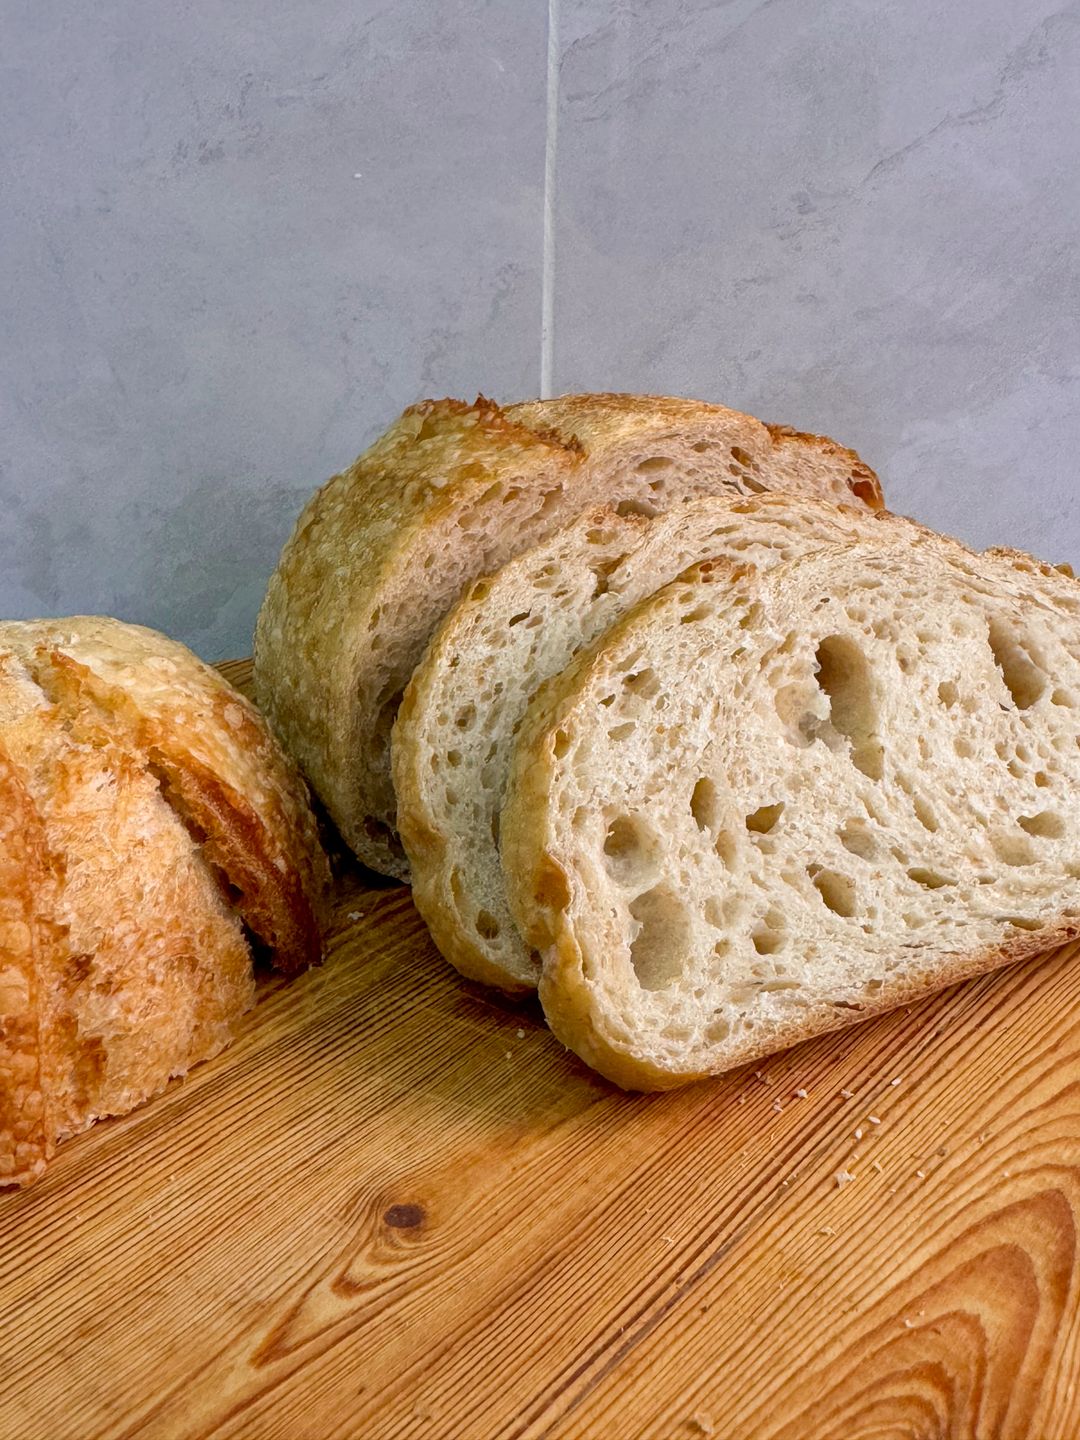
450 492
149 822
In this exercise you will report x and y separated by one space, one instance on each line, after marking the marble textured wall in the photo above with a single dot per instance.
236 240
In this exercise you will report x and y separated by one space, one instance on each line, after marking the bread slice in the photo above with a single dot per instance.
463 707
453 491
123 954
768 803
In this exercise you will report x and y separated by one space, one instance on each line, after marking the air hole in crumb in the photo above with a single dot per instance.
631 849
487 927
635 507
1024 680
1012 849
1062 697
769 935
661 946
517 619
453 758
837 891
655 462
924 814
726 848
560 745
963 747
1042 779
929 879
764 818
856 838
465 717
844 675
1046 825
644 683
948 693
699 612
623 731
602 572
704 804
1019 922
742 457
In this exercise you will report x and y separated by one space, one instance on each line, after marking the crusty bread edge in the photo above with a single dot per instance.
564 994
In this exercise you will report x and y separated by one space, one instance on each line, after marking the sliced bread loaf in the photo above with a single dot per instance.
768 803
450 492
464 704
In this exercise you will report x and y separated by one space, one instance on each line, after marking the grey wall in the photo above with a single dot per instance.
236 239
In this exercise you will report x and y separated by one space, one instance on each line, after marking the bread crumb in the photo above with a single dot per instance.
847 1094
826 1230
910 1324
740 1099
921 1174
858 1132
876 1165
521 1034
842 1178
896 1081
765 1079
509 1054
800 1094
873 1120
778 1107
703 1423
353 915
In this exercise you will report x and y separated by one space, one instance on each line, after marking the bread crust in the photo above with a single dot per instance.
361 582
212 752
564 993
143 809
27 895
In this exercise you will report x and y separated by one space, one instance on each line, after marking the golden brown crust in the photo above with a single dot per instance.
142 804
218 765
862 481
563 992
26 883
364 578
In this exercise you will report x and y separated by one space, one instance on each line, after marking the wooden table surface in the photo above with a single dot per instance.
396 1207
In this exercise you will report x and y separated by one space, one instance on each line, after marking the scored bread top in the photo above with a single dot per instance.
509 632
214 757
768 803
147 816
29 952
452 491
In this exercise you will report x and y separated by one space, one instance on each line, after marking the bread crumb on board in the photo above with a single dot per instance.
842 1178
702 1423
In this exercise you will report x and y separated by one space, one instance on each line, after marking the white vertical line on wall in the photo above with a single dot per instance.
551 140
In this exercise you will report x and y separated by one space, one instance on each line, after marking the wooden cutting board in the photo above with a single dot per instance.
396 1207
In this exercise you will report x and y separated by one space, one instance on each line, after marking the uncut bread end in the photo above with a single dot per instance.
451 492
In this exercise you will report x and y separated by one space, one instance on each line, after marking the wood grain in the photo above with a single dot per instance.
397 1208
